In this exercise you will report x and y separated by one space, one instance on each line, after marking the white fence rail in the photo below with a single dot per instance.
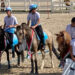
53 5
24 4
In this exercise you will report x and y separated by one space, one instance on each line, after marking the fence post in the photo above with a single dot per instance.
9 3
25 5
48 9
38 4
29 2
52 8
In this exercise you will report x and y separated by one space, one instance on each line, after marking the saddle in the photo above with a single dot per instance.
38 38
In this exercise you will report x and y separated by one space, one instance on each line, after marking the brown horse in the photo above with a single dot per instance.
63 40
27 31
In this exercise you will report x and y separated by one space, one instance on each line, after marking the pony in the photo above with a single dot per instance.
63 39
5 46
31 36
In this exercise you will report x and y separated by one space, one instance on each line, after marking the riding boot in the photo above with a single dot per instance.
13 53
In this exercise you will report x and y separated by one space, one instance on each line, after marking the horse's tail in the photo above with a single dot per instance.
55 51
0 59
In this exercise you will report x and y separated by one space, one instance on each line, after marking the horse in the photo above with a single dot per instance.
63 39
5 46
28 32
21 43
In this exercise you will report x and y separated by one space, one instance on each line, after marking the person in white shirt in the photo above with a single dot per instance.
34 17
71 30
10 24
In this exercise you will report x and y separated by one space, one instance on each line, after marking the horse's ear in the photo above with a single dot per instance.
18 27
61 34
24 25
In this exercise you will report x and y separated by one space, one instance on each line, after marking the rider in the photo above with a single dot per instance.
34 16
10 24
71 30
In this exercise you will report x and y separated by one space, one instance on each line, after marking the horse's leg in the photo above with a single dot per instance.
18 60
22 55
36 66
0 59
32 65
18 55
43 56
50 53
7 52
55 52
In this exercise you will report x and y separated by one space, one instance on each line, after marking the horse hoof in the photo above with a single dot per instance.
36 73
32 72
0 65
9 67
18 64
13 56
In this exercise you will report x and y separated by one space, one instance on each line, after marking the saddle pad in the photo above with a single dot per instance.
15 40
45 36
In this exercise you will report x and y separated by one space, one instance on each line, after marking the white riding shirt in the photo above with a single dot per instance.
10 21
71 31
33 17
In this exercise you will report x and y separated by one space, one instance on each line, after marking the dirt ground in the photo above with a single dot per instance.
54 24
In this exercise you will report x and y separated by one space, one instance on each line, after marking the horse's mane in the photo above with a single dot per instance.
26 27
1 31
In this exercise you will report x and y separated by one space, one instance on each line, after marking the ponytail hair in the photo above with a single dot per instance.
30 11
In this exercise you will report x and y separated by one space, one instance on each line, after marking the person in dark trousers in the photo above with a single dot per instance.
10 24
71 30
34 17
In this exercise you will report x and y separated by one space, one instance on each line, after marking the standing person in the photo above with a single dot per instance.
10 24
71 30
67 2
69 68
2 5
34 17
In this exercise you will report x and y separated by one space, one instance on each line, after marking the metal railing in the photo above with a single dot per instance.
43 5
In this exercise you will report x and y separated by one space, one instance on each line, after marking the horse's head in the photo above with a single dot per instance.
1 31
19 33
63 40
2 34
26 29
60 40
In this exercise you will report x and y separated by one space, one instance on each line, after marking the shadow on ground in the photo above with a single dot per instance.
4 70
41 74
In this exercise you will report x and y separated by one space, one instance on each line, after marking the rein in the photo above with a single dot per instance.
29 45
